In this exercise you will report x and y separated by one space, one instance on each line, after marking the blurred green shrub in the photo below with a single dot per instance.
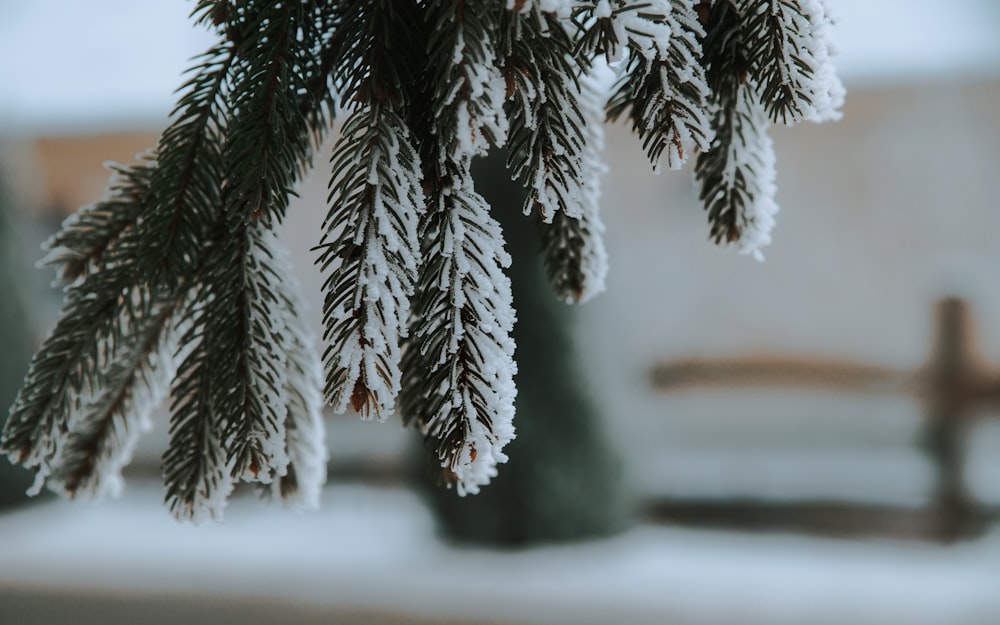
16 336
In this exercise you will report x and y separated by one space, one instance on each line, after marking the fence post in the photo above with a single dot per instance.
950 377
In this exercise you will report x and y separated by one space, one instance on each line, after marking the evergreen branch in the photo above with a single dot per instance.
736 174
369 245
211 12
65 371
546 138
319 101
374 43
468 90
573 253
268 138
665 95
612 27
790 52
195 468
242 331
304 432
228 415
101 440
370 249
79 247
458 364
185 189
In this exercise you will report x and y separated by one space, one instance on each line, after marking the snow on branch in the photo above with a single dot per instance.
665 94
788 42
547 144
102 435
468 88
370 252
736 176
459 386
612 27
573 253
305 436
195 465
245 322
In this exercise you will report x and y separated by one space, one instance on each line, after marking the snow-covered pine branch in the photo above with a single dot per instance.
789 47
177 264
66 371
736 174
230 408
573 253
546 144
459 368
103 434
195 467
371 253
305 436
664 94
79 246
369 246
468 89
613 27
245 322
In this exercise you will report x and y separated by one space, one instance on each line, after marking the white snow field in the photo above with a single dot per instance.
371 556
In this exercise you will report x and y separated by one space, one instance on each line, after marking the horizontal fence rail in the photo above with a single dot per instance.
952 387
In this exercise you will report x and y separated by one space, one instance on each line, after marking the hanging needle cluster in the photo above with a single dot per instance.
176 287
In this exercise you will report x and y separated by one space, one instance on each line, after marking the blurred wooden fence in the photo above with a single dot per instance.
952 387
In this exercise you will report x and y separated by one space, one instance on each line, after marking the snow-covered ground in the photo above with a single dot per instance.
374 552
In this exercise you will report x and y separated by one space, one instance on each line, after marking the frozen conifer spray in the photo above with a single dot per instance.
176 281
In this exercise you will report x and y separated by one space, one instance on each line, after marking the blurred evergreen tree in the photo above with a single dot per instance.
15 337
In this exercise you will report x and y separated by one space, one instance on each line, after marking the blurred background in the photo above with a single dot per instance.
809 439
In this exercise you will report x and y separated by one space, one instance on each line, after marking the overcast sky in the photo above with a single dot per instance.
91 63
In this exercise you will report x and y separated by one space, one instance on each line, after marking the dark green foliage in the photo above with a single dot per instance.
547 125
268 140
15 335
725 189
185 191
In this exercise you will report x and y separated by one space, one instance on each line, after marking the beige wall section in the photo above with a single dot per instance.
73 167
